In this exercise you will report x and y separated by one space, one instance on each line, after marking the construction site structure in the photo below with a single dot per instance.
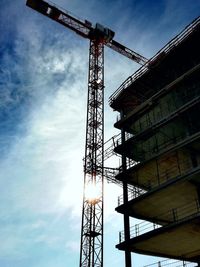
159 107
91 254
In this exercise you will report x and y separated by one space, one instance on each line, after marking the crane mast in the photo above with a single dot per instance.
91 247
91 253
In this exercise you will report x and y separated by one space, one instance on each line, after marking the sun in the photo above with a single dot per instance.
92 194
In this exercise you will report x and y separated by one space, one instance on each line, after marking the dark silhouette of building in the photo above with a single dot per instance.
159 108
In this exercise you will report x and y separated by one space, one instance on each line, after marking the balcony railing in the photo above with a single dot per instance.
162 177
165 50
170 217
134 193
172 263
148 121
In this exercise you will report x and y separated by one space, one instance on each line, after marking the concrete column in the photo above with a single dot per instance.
125 200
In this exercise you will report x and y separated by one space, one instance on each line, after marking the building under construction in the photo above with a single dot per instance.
160 147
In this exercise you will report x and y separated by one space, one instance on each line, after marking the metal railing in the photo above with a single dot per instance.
118 141
162 177
151 151
109 146
165 50
172 263
143 124
132 194
170 217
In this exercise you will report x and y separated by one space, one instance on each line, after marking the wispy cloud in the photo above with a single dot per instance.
43 165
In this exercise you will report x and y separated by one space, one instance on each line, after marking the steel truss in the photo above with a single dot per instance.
92 216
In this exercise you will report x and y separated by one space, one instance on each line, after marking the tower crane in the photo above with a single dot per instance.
91 248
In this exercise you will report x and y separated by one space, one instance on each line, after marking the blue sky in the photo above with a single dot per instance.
43 90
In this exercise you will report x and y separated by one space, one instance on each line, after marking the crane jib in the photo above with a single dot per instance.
82 28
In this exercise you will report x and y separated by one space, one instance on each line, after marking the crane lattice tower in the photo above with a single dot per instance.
91 252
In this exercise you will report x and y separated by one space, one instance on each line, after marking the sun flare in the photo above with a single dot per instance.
92 193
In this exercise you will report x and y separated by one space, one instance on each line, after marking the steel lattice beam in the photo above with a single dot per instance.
92 217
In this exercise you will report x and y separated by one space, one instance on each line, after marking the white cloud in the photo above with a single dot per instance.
73 246
48 157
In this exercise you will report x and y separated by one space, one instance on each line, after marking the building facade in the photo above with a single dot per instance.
159 120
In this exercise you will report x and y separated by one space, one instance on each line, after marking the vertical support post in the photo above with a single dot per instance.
178 162
198 194
91 249
157 170
125 199
194 159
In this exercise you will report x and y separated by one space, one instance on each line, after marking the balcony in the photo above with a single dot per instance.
154 181
177 238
